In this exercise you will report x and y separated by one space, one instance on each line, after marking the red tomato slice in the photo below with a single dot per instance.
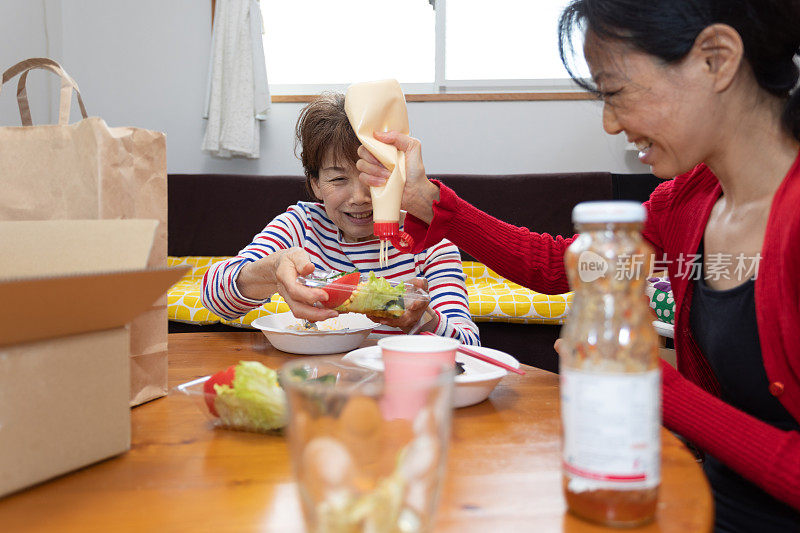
341 289
223 377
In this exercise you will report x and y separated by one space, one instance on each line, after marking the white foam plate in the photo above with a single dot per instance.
351 329
473 386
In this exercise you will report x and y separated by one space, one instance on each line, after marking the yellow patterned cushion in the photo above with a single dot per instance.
492 298
184 303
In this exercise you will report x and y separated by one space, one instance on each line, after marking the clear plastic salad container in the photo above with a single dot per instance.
251 401
360 292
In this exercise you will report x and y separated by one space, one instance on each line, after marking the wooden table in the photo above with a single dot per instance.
182 475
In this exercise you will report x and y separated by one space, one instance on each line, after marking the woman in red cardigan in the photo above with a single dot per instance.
704 88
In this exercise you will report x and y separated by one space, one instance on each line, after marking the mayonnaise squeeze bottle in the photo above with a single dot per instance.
381 106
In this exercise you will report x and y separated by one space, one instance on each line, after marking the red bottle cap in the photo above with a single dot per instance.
390 231
386 230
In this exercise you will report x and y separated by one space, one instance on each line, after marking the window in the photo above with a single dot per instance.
460 46
334 42
513 42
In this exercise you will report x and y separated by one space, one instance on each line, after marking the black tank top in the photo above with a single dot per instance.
724 326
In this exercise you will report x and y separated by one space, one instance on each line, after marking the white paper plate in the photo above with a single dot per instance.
351 330
473 386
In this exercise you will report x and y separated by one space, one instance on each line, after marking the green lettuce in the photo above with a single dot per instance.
376 296
255 402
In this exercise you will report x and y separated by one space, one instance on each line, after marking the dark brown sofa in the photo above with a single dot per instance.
217 214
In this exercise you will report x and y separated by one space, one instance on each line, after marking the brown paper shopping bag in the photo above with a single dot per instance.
87 170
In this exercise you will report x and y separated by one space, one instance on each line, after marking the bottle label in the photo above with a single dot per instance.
612 425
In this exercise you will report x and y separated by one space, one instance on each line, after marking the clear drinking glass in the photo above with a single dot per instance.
360 466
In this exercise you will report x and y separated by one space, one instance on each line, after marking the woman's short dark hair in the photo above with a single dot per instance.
323 126
667 29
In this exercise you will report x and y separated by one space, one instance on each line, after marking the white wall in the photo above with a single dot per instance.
144 63
22 27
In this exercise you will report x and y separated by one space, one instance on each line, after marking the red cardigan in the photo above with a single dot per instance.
677 214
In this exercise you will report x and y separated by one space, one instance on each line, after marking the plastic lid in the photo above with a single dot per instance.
320 279
390 231
612 211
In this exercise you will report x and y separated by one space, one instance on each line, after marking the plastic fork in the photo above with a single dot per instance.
481 357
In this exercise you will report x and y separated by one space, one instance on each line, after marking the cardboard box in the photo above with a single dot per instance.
67 290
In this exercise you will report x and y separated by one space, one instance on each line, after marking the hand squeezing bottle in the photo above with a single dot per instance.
381 106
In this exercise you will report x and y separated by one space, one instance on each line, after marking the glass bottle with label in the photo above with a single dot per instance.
609 370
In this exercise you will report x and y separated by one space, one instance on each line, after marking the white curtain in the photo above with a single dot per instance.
237 94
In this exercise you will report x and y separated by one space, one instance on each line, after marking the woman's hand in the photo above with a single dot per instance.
559 346
419 193
414 313
278 272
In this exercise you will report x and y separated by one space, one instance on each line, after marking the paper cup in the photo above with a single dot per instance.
410 357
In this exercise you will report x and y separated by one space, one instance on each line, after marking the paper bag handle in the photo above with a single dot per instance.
67 86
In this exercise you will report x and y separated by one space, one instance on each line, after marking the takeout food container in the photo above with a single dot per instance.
68 288
195 392
367 293
335 335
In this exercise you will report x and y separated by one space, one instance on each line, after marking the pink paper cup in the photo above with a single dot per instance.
410 358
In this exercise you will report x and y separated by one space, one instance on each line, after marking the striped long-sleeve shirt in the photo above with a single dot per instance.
306 225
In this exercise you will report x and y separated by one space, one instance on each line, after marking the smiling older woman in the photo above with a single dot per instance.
705 89
335 234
